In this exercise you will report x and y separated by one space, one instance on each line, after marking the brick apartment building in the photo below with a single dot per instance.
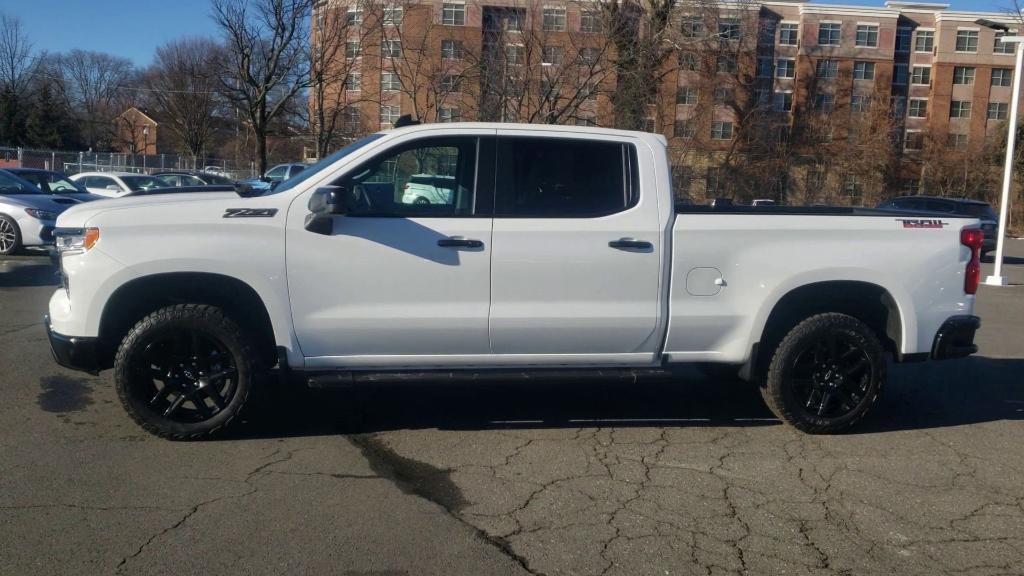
798 68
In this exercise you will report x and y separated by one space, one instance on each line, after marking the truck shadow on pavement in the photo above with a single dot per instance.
20 274
919 396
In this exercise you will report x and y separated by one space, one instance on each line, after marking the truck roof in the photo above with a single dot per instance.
529 128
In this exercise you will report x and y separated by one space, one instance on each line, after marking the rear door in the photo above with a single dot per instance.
577 251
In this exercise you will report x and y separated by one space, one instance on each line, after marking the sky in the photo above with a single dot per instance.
134 28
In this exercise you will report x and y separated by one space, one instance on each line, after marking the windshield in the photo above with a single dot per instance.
316 168
58 183
143 182
11 184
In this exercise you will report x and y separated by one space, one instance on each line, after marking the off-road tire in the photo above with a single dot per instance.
216 325
778 388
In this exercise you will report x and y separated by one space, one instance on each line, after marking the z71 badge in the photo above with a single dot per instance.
250 212
917 223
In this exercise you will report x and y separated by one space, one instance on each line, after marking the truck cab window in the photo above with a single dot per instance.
432 177
561 178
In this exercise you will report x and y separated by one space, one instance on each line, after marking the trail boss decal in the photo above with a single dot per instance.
250 212
916 223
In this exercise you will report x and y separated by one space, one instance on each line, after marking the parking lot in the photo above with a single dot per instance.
661 476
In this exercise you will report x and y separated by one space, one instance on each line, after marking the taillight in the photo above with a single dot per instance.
972 238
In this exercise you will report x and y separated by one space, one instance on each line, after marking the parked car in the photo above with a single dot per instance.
428 189
274 176
186 178
52 182
961 206
27 214
116 184
181 190
554 252
763 202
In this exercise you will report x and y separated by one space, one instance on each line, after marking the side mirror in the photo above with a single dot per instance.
325 203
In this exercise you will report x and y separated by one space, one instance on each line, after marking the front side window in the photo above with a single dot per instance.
559 178
554 19
788 34
966 40
1002 76
963 75
863 70
431 177
829 33
921 75
453 14
136 183
826 69
867 36
924 41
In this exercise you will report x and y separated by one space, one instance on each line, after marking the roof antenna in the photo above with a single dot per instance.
405 120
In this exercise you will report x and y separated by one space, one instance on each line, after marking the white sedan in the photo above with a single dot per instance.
428 189
27 214
116 184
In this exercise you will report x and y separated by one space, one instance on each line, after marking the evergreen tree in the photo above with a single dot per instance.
43 126
11 121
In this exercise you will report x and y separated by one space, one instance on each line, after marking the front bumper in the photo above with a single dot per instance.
73 352
955 339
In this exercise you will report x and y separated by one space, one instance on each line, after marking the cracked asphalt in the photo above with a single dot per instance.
658 476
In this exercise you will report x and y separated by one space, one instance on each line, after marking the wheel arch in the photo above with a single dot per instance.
140 296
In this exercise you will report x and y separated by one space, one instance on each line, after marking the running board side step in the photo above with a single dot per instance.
343 379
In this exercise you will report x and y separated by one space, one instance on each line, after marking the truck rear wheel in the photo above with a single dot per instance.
185 371
825 374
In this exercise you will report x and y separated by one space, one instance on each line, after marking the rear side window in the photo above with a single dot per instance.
981 211
939 206
564 178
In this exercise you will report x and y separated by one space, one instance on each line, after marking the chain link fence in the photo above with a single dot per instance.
75 162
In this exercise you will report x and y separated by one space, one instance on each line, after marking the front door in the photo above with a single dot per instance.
575 272
402 280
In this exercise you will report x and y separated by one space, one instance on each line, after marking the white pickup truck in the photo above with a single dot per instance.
560 248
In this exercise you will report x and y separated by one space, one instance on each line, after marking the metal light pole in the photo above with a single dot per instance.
997 278
145 146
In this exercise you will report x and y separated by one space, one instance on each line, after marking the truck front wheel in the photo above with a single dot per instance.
185 371
825 374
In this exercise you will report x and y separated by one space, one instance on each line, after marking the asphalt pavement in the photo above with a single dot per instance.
661 476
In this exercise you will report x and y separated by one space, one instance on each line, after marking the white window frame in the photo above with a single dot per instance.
455 9
396 116
910 107
1003 72
796 29
923 67
977 40
1005 107
867 65
907 139
779 97
869 26
931 36
973 75
387 48
791 67
557 22
960 109
722 124
392 78
830 23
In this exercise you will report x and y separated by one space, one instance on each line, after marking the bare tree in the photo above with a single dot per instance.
265 62
183 83
16 62
93 85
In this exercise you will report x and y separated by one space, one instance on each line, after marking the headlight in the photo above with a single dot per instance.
41 214
75 240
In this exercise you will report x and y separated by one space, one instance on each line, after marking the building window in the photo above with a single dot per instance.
351 119
721 130
714 183
963 75
903 35
966 40
824 101
451 49
554 19
586 120
924 41
914 140
692 27
682 178
729 29
783 101
918 108
829 33
826 69
727 64
450 83
852 187
956 141
921 75
514 54
353 82
815 179
764 67
590 21
354 16
589 56
447 115
389 81
392 48
688 62
785 68
687 96
552 55
352 50
1000 47
899 74
389 114
788 34
860 103
997 110
863 70
960 109
724 94
453 14
1002 77
393 15
911 187
867 36
684 129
